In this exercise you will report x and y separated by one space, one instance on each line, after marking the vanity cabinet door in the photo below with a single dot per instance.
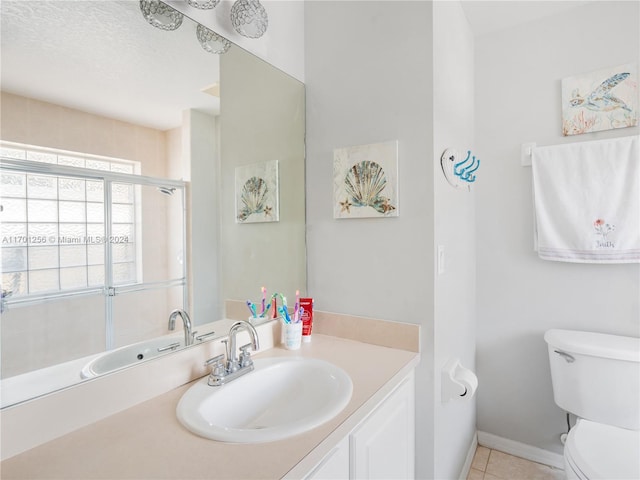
383 445
335 466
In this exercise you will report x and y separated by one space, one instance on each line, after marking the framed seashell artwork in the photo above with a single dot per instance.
365 181
257 193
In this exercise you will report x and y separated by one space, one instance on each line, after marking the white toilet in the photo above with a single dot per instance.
597 378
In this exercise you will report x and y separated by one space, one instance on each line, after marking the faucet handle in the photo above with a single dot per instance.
226 346
245 355
218 371
218 364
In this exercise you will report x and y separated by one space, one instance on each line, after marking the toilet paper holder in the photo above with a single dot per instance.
457 381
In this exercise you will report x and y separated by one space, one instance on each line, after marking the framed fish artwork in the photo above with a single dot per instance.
256 187
602 100
365 181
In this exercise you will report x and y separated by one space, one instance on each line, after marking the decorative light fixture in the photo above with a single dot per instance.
211 41
160 15
249 18
203 4
164 17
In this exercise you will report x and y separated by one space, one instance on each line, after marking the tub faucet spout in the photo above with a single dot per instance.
186 321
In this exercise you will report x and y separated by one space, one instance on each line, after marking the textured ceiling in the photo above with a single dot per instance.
103 57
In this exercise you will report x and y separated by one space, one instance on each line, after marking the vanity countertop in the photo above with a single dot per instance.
147 441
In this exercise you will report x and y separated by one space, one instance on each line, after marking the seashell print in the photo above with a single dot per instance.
364 183
253 198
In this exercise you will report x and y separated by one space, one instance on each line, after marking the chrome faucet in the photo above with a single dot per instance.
186 321
235 366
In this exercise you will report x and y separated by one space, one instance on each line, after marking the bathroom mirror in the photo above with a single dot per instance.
194 116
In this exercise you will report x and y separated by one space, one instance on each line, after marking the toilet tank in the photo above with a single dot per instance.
596 376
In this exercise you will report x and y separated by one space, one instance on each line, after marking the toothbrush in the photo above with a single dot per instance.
252 308
264 293
284 314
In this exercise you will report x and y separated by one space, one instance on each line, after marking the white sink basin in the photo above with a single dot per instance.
282 397
130 355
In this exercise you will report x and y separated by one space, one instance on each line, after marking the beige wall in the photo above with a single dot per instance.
38 336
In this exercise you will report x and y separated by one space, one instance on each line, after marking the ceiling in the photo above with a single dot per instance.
104 58
489 16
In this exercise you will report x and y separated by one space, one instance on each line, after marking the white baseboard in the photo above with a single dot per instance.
469 460
522 450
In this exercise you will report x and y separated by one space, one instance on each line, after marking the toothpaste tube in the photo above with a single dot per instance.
307 318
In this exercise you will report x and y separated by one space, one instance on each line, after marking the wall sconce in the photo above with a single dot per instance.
160 15
211 41
203 4
249 18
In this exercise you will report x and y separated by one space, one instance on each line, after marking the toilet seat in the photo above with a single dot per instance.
597 451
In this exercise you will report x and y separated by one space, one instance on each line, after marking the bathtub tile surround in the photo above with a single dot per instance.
489 464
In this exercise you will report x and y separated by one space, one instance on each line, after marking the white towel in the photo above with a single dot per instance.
587 201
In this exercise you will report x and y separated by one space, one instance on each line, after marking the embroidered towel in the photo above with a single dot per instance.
587 201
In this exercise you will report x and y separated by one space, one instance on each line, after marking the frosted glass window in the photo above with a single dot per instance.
43 234
123 252
95 191
122 213
73 233
95 212
122 168
43 257
95 232
40 186
95 275
122 193
71 278
123 273
44 281
42 157
95 255
73 255
14 259
42 210
71 189
13 234
54 235
13 210
71 161
123 233
16 282
98 165
13 153
13 184
72 211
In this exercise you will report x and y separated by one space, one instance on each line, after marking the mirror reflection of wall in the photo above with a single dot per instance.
262 120
129 112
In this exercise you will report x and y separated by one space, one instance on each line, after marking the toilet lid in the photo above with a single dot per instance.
603 451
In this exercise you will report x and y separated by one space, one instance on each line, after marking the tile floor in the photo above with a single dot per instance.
493 465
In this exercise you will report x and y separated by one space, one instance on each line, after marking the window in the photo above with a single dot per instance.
54 229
